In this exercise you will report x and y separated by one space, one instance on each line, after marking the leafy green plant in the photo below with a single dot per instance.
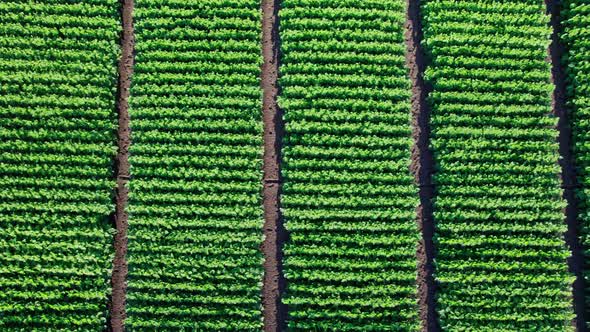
576 31
195 215
57 98
501 259
348 197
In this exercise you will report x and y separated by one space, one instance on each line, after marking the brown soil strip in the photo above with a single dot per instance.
274 312
568 172
422 166
118 282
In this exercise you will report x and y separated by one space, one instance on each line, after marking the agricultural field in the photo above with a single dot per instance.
57 82
348 196
576 38
194 204
294 165
501 256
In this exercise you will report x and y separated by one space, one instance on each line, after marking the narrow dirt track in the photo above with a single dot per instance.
422 167
274 312
568 173
118 282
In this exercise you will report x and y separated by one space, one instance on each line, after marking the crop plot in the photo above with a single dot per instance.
194 205
349 199
576 36
501 261
57 83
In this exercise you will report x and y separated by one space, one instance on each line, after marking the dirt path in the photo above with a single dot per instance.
422 166
274 312
118 282
568 173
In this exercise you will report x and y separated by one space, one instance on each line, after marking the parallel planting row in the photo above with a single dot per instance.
501 260
57 99
348 197
576 38
195 213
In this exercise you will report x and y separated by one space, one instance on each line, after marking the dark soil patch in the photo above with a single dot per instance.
568 172
422 166
274 312
118 281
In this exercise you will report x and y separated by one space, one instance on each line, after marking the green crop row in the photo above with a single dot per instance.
195 215
576 36
501 255
348 197
57 85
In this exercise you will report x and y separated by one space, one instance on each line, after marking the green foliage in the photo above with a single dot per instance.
576 33
501 256
195 219
349 200
57 101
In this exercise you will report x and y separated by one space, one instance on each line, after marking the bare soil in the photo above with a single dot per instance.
274 312
118 281
422 166
568 172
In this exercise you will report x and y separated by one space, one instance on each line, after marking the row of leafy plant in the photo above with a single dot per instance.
348 197
57 99
195 215
501 256
575 15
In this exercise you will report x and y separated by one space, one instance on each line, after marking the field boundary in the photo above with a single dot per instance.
274 312
568 179
125 71
422 166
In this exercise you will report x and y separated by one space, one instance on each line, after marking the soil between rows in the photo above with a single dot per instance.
422 166
555 53
274 312
125 71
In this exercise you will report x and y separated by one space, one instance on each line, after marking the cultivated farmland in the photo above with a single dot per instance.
57 83
348 195
194 202
294 165
576 36
498 209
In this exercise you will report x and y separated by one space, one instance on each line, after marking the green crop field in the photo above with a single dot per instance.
501 261
57 95
576 37
194 203
349 200
356 102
